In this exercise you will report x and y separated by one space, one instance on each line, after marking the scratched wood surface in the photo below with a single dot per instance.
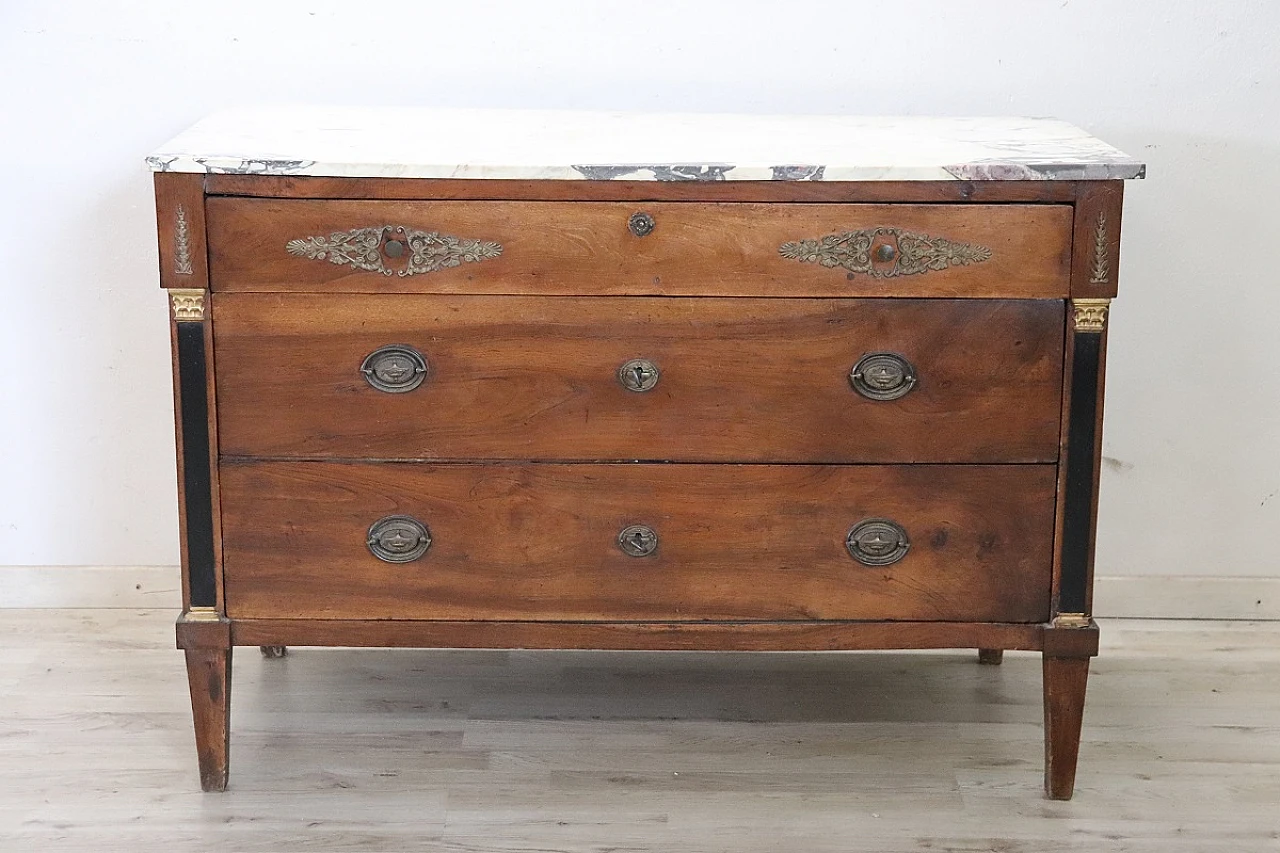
539 541
586 248
575 751
537 378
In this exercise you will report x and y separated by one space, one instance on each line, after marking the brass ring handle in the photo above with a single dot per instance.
398 539
637 540
394 369
883 376
877 542
639 374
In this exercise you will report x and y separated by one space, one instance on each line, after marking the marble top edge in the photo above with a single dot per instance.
564 145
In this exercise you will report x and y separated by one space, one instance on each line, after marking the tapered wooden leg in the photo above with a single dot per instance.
1064 688
991 657
209 675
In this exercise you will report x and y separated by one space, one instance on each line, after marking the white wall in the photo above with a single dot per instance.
1193 424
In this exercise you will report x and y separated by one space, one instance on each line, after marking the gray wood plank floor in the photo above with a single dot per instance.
336 749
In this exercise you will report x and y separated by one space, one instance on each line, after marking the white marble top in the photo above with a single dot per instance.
404 142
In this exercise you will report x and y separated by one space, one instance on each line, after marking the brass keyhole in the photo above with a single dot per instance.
638 374
638 540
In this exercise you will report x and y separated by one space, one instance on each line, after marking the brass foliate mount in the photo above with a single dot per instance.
181 244
1100 274
394 250
884 252
1090 315
186 304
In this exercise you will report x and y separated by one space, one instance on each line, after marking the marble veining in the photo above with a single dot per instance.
414 142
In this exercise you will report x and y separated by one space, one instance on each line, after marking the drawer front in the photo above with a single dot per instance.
752 380
541 541
548 248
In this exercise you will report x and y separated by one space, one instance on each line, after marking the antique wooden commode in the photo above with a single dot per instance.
563 380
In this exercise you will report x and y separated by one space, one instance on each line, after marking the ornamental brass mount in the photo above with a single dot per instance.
638 540
641 224
877 542
394 250
1101 263
181 244
394 369
884 252
398 539
882 376
1090 315
639 374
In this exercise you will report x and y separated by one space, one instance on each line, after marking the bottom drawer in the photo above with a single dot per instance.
729 542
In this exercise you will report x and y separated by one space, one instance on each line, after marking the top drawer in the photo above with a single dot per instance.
640 248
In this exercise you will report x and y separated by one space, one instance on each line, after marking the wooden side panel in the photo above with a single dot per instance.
540 542
587 248
180 227
184 274
741 379
1095 264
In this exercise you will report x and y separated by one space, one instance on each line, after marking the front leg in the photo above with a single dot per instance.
1064 687
206 639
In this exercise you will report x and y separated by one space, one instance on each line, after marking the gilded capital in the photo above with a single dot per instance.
1090 314
188 305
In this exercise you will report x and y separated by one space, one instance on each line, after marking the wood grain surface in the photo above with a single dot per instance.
539 542
586 248
637 636
536 378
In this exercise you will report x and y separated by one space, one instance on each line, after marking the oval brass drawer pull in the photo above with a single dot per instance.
637 540
639 374
882 376
395 368
398 539
877 542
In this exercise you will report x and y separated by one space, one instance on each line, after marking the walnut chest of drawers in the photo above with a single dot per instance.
521 380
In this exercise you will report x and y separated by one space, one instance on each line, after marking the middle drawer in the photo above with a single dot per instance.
627 378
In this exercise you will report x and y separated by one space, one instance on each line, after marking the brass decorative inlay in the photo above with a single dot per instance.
202 614
1072 620
885 252
1101 264
1090 314
187 304
409 251
182 244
